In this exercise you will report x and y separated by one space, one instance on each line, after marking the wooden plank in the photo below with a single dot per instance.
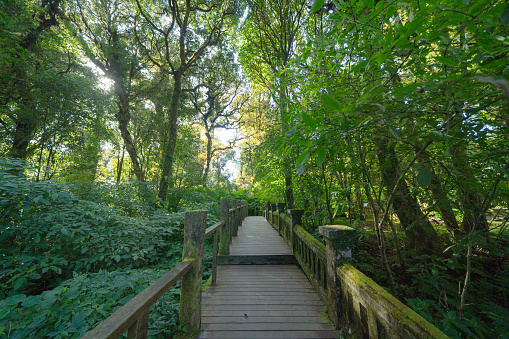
250 319
120 321
300 299
268 334
267 327
269 294
265 313
245 308
283 259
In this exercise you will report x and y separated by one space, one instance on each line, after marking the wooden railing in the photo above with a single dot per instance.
353 300
133 316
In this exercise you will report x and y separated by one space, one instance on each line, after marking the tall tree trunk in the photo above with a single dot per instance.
119 165
123 117
417 226
286 166
439 195
378 227
209 159
22 136
471 201
169 149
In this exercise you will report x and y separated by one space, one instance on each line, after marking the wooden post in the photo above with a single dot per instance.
215 249
224 241
280 209
235 217
296 218
338 240
273 209
190 292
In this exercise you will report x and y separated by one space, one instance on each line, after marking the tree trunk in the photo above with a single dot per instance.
169 149
22 137
123 115
416 225
119 165
123 118
439 195
471 201
286 165
209 158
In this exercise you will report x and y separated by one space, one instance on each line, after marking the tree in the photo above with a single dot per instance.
47 96
173 51
104 30
271 31
218 100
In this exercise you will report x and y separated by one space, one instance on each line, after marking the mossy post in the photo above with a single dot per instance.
338 241
235 217
273 208
224 236
280 209
190 292
296 217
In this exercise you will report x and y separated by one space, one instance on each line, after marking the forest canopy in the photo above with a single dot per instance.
117 116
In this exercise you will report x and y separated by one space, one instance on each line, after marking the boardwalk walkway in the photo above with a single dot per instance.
262 301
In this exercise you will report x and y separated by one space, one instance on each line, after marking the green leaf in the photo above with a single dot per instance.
394 132
37 238
15 299
436 136
302 157
117 258
321 157
290 132
19 284
64 231
424 178
301 169
389 12
407 89
331 102
3 313
317 5
309 120
505 15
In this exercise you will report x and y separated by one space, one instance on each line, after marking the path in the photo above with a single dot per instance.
262 301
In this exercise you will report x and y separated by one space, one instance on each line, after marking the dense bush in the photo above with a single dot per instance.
80 303
47 233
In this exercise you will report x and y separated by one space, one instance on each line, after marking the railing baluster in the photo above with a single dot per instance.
139 329
214 258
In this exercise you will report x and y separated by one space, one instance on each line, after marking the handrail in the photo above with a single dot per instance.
352 298
213 228
127 317
133 316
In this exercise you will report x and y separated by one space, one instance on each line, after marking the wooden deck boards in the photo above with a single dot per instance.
262 301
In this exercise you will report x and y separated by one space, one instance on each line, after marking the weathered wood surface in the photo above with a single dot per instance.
262 301
276 259
257 236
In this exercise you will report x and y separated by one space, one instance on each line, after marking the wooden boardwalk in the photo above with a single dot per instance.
262 301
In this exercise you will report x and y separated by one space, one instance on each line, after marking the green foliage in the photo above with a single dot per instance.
48 233
80 303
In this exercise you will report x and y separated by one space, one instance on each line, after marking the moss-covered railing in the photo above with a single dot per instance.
133 316
354 302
